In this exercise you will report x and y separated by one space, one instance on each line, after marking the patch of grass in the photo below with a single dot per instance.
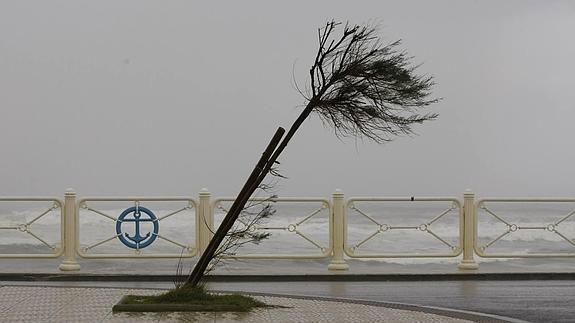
197 296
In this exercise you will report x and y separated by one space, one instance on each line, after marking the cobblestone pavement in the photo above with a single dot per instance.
64 304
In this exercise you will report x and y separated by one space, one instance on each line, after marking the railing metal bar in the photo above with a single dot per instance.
565 217
173 213
223 209
309 216
531 228
496 239
441 215
273 228
495 215
367 239
403 228
172 241
308 239
41 215
564 237
9 227
530 199
439 238
101 213
367 216
102 242
41 240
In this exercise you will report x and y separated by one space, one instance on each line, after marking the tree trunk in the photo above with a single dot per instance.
234 211
258 175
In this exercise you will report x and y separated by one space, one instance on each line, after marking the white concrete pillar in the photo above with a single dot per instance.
337 218
70 233
468 262
205 220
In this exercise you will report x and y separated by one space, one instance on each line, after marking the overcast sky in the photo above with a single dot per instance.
167 97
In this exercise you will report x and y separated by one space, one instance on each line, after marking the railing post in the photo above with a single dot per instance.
69 244
337 261
205 220
469 231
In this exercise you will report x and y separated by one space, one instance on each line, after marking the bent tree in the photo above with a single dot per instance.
360 87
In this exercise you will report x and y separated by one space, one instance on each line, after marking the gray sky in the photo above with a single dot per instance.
167 97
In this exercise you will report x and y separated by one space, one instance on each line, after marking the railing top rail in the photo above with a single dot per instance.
137 198
526 199
405 199
29 198
276 199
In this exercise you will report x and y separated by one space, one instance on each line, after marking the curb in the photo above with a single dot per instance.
291 278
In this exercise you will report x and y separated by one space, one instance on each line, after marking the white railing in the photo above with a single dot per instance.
127 224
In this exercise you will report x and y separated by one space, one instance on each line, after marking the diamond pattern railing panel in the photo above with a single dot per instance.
388 224
525 227
34 222
303 223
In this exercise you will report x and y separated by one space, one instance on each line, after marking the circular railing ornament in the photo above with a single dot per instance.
137 241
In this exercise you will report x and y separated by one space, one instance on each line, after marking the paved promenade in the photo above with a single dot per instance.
85 304
532 291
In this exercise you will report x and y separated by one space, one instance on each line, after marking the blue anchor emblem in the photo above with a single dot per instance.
137 241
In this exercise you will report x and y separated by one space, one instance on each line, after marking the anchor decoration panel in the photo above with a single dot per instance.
137 215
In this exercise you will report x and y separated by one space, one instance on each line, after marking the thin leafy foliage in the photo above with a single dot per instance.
364 88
